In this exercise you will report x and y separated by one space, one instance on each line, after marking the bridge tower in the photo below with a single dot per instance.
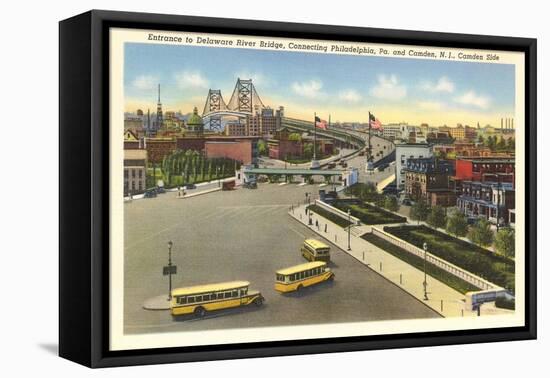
245 98
214 103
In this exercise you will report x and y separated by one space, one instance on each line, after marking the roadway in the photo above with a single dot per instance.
244 234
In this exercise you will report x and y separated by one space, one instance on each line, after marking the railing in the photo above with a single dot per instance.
338 212
434 260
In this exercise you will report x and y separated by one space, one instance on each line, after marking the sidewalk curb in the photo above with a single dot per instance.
199 193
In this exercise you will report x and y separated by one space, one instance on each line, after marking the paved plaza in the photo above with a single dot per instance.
244 234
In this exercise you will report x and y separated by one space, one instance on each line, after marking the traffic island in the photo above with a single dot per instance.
158 303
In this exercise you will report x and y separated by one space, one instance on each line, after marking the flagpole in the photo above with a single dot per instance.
314 135
314 162
370 147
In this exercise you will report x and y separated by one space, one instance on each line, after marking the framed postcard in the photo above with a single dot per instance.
234 188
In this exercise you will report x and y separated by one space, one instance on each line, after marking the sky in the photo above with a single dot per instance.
346 87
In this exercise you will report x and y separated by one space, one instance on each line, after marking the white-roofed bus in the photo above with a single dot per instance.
297 277
199 300
315 250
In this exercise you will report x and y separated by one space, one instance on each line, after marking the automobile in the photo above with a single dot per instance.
331 165
250 185
150 193
160 190
406 202
190 186
262 179
228 185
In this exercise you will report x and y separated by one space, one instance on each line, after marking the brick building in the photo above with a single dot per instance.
158 148
489 200
427 179
240 149
282 149
485 169
235 129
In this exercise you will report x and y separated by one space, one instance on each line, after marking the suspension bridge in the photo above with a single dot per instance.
245 101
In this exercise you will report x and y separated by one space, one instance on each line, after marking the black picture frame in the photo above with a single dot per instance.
84 183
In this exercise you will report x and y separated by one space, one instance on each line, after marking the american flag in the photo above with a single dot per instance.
374 122
320 123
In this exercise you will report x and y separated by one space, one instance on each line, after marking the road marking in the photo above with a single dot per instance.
296 231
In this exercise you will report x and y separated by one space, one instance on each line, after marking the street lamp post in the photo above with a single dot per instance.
349 230
170 244
425 283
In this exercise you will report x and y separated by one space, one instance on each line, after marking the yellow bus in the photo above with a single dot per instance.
297 277
315 250
198 300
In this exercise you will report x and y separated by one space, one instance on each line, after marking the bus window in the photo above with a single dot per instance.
235 293
191 300
227 294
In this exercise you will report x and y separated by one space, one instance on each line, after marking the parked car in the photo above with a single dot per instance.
160 190
250 185
228 185
150 193
406 202
190 186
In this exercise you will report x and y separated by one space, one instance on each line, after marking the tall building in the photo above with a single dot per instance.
235 128
406 151
159 112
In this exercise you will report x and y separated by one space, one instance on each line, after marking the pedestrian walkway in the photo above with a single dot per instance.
441 298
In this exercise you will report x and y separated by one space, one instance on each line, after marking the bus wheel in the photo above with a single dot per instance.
299 287
258 301
200 312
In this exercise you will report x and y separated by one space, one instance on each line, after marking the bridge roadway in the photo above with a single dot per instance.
336 134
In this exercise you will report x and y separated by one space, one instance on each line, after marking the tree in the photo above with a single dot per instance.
295 137
505 242
308 150
262 147
511 144
491 142
390 203
481 234
437 217
501 145
420 210
480 139
457 224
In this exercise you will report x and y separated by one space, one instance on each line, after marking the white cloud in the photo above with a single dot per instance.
430 105
309 89
145 82
444 84
350 95
191 79
388 88
473 99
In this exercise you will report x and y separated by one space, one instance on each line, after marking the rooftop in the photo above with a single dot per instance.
301 267
210 287
303 171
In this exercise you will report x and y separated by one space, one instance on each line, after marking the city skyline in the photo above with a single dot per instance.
347 87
